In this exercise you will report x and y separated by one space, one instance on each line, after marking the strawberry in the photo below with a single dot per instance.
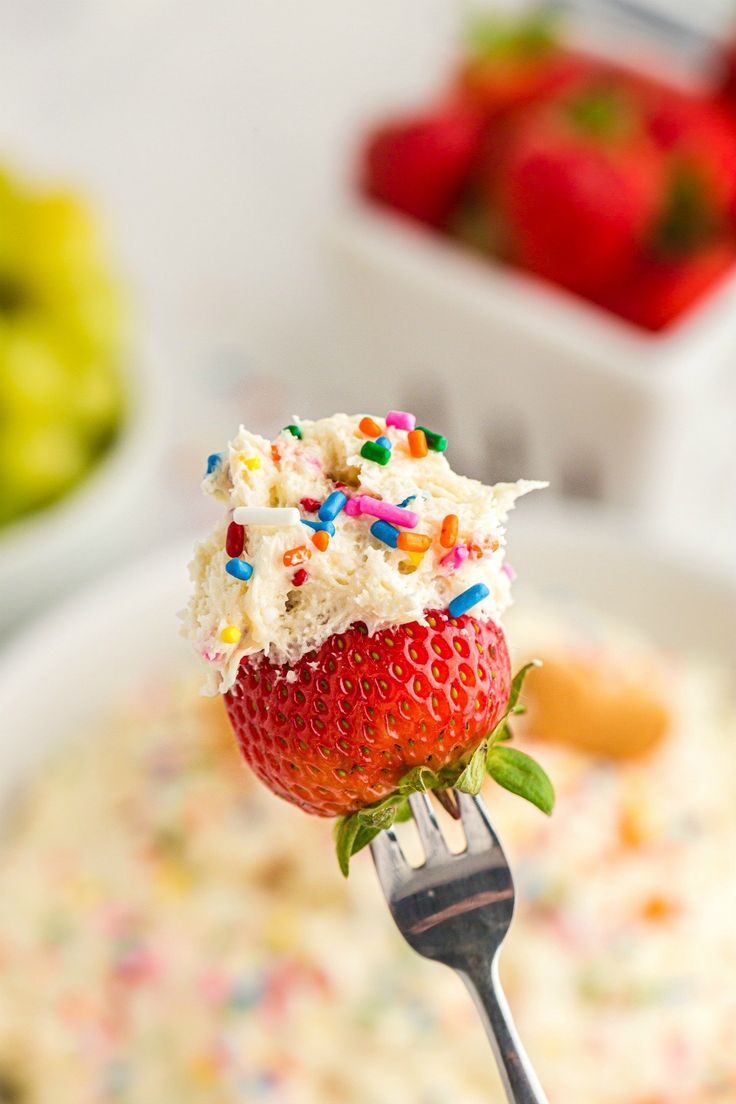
658 292
699 139
580 188
364 710
419 165
352 728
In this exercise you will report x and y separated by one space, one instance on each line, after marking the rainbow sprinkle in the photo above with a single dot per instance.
239 569
294 430
386 533
386 511
469 598
319 526
371 450
332 506
231 634
417 444
399 419
435 441
213 461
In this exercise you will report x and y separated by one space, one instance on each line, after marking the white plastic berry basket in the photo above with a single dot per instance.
526 379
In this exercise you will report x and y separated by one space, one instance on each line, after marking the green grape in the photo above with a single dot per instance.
33 376
61 343
38 462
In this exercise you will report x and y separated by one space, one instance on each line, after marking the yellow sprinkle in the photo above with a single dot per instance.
252 462
231 634
416 558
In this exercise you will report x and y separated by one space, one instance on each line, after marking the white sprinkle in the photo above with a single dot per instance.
266 515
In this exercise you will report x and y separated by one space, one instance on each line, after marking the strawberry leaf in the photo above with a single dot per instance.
522 775
354 832
517 684
494 36
346 834
419 780
471 777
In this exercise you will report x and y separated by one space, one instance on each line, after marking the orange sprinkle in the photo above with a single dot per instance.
275 454
448 533
321 539
417 443
298 555
658 909
369 427
413 542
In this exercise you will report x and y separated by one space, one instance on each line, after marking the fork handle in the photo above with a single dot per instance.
517 1074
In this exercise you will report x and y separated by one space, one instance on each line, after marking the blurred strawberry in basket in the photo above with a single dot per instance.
606 181
419 165
656 292
581 186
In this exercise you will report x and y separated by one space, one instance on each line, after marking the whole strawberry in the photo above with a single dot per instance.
419 165
352 729
341 728
581 187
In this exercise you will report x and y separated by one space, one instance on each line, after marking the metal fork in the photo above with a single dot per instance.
456 909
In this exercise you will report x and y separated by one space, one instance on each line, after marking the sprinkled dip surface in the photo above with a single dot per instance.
390 531
161 938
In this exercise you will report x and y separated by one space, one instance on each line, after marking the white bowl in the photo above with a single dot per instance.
529 378
95 650
99 522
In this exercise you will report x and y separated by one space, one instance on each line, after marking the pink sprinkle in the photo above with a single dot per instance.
386 511
456 557
509 572
352 506
400 419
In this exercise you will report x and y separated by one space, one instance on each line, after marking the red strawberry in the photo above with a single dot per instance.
657 293
699 138
341 728
419 165
580 188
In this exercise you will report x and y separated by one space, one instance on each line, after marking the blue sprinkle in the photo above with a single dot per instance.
239 569
384 441
385 532
469 598
327 526
213 460
332 506
406 501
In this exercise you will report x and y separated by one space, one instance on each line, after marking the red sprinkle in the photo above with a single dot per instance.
235 540
299 577
311 505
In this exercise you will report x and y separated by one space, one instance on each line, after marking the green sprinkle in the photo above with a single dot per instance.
294 430
373 451
435 441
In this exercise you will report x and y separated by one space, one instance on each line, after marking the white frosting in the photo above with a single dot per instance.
357 578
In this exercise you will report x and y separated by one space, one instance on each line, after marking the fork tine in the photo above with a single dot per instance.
429 830
389 859
476 823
